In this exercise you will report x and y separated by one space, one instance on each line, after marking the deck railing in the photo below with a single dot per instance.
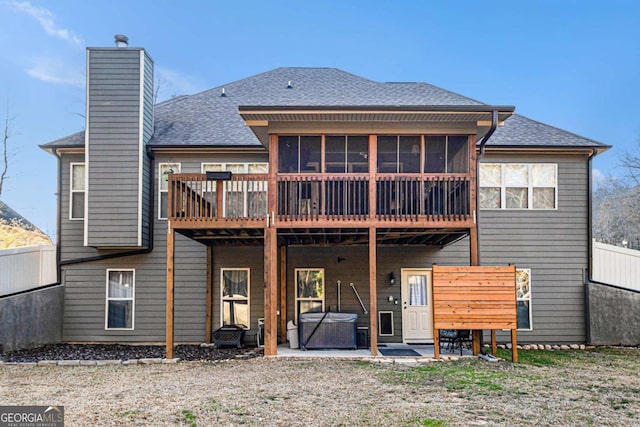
309 197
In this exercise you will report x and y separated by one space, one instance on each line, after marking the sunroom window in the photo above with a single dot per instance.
398 154
347 154
446 154
298 154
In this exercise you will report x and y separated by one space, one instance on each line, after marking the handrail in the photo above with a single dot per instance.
327 197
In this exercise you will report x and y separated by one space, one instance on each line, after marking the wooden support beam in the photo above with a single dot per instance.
270 292
169 306
209 301
219 198
283 294
494 345
271 256
475 342
474 250
514 347
436 343
373 167
373 294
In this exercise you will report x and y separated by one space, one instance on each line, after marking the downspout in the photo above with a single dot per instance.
151 218
483 141
58 216
587 314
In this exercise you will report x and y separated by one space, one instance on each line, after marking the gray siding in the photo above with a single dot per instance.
114 149
553 244
85 283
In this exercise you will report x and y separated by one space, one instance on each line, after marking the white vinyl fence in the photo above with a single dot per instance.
26 268
616 266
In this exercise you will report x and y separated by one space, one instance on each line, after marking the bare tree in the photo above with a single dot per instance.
631 162
616 213
5 152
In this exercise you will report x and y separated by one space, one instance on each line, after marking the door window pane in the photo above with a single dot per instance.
417 289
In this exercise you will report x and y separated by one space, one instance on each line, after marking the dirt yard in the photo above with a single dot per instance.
599 387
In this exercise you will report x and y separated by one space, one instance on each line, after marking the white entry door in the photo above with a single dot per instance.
417 306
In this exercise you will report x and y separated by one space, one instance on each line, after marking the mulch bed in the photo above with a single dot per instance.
127 352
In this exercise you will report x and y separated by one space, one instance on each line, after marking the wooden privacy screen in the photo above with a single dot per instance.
474 297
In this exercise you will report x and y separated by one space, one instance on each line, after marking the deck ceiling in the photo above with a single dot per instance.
328 236
259 117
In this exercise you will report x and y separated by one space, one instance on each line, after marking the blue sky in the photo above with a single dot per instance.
571 64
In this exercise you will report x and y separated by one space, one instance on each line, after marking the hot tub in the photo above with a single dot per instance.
332 330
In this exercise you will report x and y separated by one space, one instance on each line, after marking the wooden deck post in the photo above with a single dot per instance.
436 343
494 346
475 342
169 307
373 294
283 294
209 301
514 347
270 291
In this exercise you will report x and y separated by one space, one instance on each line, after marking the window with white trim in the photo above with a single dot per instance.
164 170
120 301
236 284
518 186
241 199
309 290
523 294
77 193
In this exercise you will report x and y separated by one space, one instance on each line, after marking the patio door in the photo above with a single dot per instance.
417 305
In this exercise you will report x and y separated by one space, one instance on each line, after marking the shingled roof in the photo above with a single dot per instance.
208 118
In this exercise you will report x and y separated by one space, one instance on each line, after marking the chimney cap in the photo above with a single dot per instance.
121 40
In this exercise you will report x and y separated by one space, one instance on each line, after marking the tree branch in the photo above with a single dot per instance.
5 152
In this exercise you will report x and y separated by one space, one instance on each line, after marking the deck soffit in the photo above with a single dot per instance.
258 118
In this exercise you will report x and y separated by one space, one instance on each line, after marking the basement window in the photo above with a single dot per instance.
523 294
235 297
120 299
309 290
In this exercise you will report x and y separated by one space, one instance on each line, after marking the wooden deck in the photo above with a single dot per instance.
322 200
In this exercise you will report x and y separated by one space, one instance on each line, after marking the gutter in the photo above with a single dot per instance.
151 219
483 141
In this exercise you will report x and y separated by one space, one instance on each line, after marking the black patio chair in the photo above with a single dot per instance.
455 338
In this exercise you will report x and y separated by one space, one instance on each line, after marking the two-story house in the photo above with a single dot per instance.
310 189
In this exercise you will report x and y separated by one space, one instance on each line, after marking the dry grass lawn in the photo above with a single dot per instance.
556 388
